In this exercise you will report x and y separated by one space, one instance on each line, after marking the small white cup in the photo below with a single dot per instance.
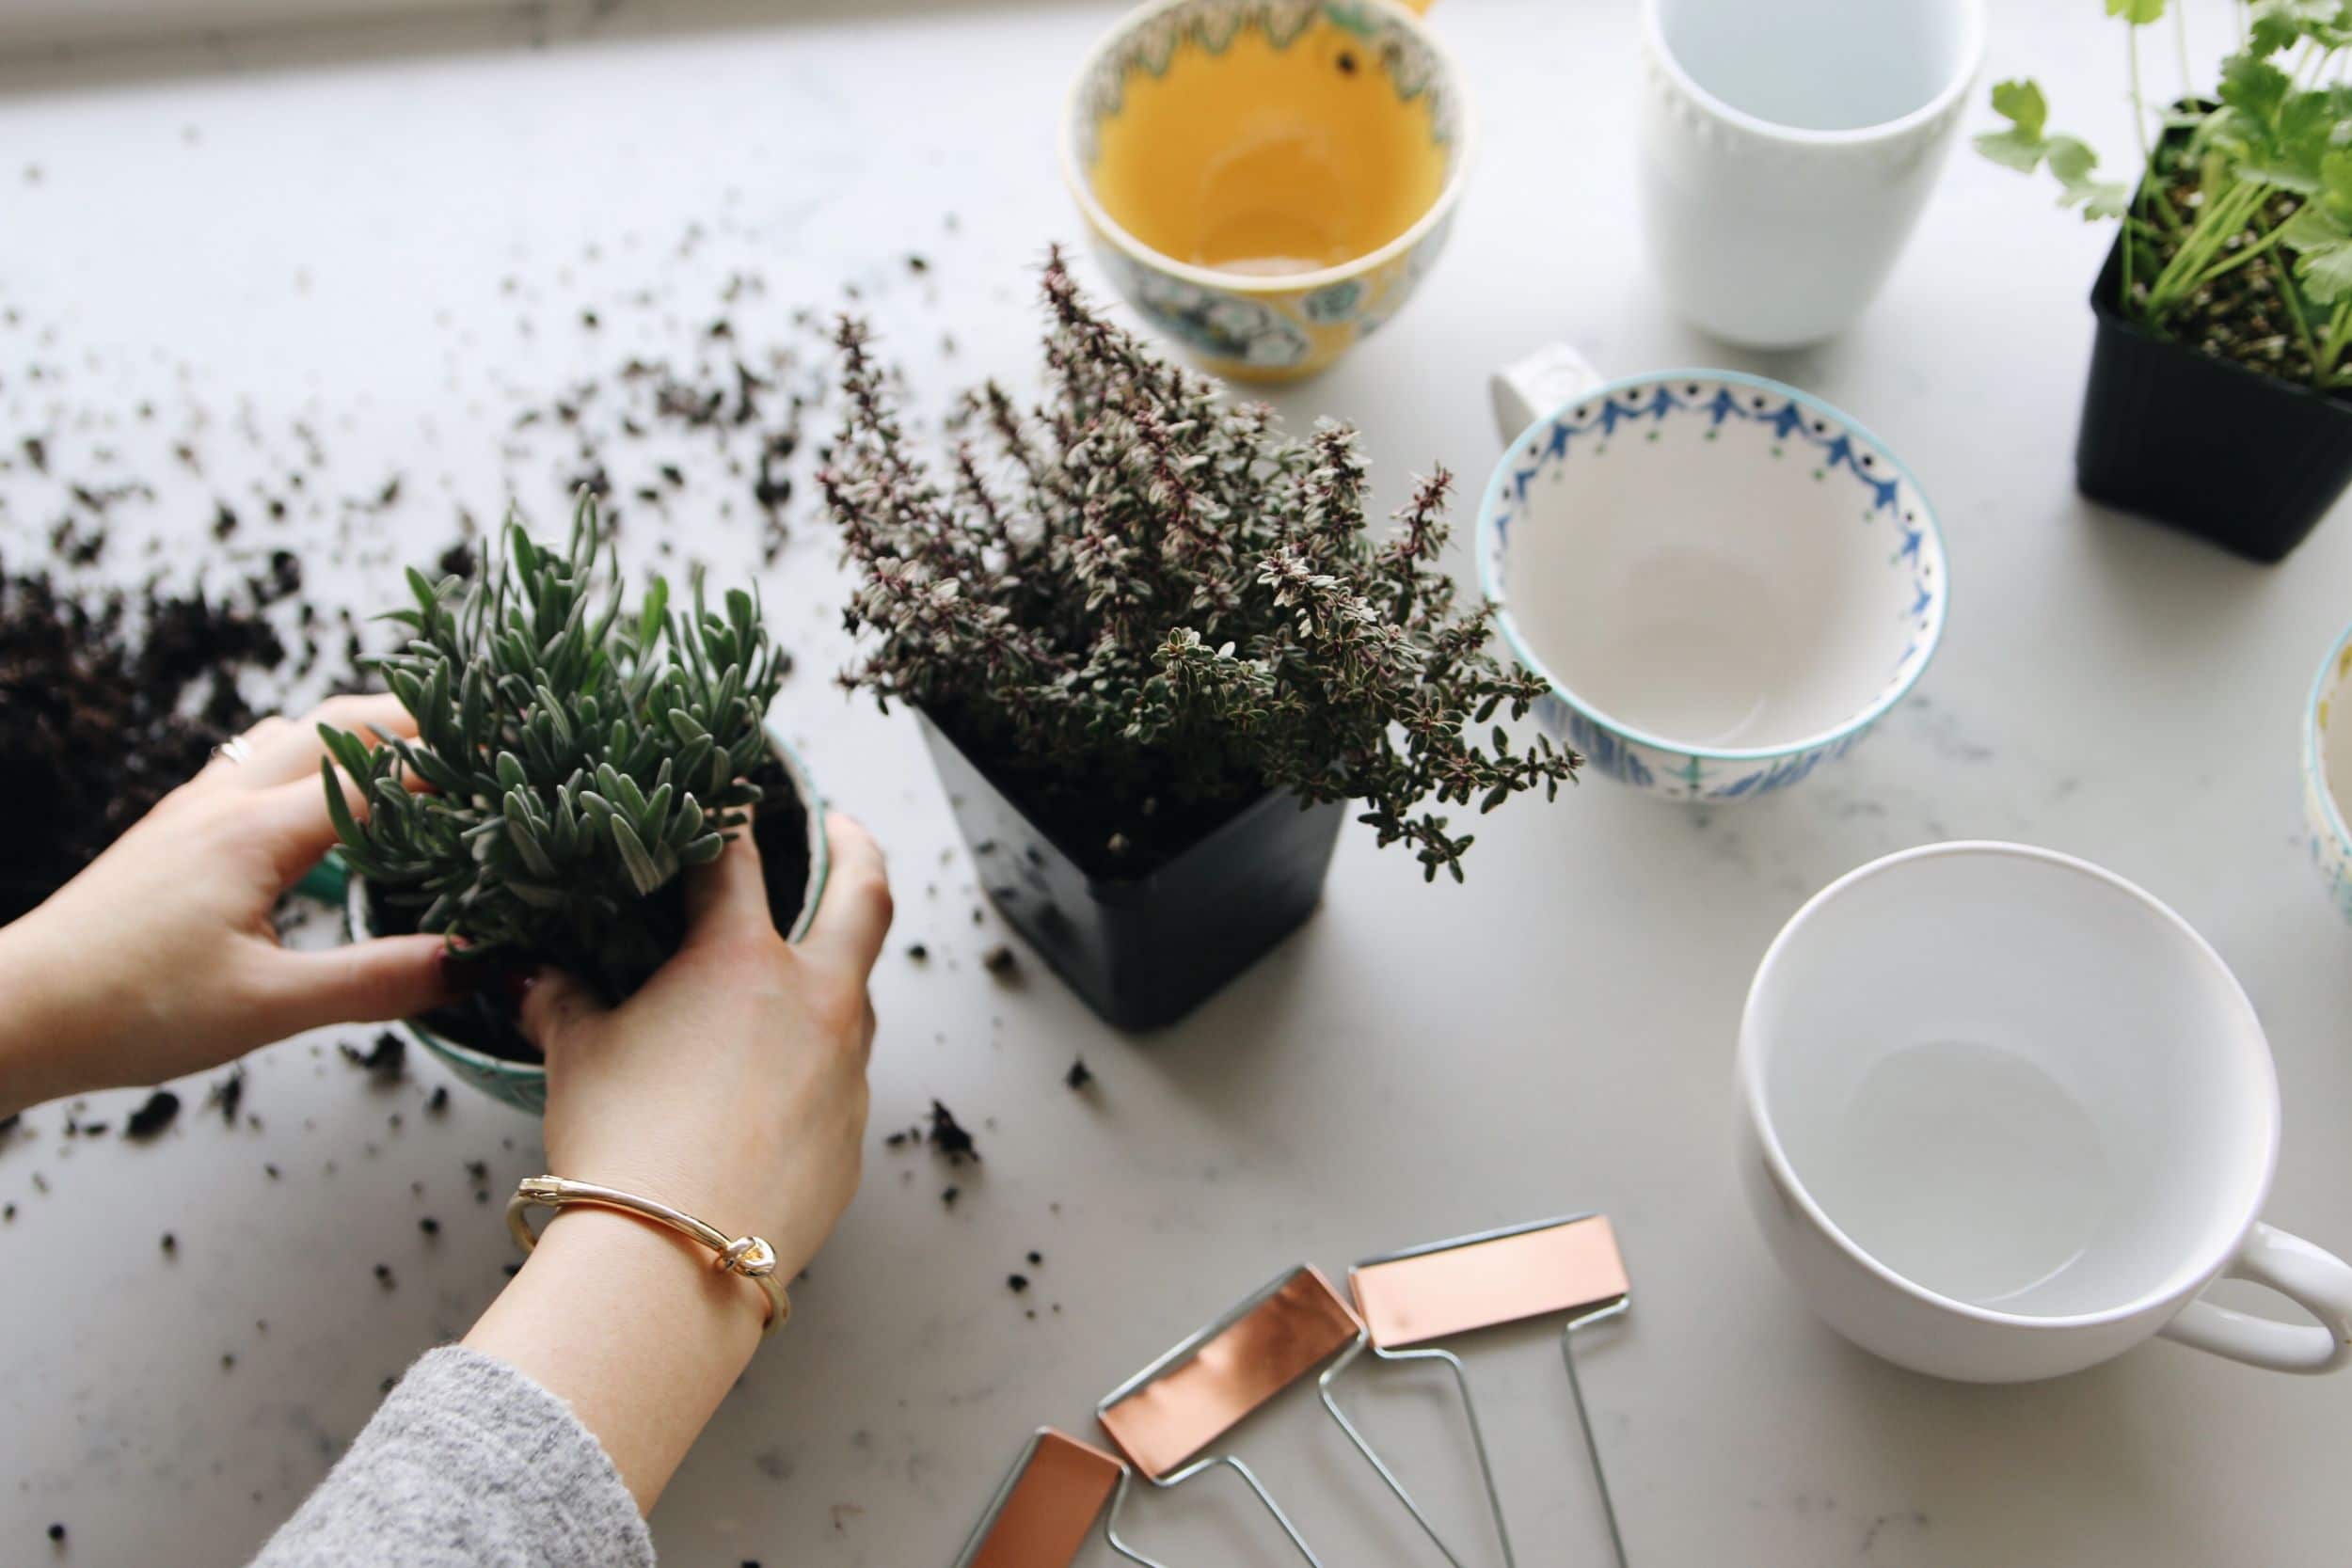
1725 580
2008 1116
1787 151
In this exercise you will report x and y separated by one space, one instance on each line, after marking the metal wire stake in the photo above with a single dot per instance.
1585 1419
1478 1441
1567 1269
1110 1523
1110 1526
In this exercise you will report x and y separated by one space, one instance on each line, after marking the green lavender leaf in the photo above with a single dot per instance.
641 870
339 810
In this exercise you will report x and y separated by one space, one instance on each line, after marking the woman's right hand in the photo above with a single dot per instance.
732 1084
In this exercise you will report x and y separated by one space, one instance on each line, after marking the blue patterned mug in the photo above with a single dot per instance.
2326 778
1726 580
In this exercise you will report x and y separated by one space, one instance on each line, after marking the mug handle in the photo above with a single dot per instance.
1526 390
2312 1277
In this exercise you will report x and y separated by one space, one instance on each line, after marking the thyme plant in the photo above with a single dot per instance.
571 757
1142 606
2239 235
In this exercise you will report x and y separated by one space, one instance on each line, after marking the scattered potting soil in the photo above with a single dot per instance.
226 1095
1079 1075
106 706
1017 1283
386 1061
951 1138
160 1110
999 961
748 407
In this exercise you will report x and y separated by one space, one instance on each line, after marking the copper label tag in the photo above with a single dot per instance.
1282 1339
1046 1516
1480 1284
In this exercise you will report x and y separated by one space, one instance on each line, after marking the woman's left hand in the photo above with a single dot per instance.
160 958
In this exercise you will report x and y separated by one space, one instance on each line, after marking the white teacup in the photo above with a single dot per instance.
1787 151
1727 582
2008 1116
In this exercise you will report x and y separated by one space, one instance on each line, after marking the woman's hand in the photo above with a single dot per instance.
160 958
733 1086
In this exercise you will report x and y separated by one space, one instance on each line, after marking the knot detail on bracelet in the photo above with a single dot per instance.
748 1256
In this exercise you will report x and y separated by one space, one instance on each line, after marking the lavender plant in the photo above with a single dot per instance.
570 758
1142 606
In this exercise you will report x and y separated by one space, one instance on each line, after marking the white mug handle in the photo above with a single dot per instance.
1527 389
2311 1277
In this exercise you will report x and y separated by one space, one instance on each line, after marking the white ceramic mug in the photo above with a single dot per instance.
2008 1116
1787 151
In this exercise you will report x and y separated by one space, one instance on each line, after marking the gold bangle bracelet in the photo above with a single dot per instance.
748 1256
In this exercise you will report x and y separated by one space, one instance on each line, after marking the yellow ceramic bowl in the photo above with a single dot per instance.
1267 180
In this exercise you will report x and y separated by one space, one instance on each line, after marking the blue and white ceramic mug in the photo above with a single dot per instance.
2328 772
1726 580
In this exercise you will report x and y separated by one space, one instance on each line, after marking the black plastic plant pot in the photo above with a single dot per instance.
1145 951
2246 460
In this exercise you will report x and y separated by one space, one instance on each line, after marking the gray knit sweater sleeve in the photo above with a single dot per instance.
468 1464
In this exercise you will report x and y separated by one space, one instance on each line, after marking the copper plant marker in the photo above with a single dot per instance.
1166 1415
1426 1293
1041 1513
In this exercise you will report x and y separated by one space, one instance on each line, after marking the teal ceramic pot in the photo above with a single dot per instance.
524 1084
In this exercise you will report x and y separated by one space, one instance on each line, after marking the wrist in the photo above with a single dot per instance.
44 1030
633 1328
667 1276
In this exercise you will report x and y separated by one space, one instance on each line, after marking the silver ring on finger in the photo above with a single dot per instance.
233 750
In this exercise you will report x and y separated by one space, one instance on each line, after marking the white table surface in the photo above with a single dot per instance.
321 226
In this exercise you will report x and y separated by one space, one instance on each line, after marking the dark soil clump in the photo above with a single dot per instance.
161 1110
951 1137
106 706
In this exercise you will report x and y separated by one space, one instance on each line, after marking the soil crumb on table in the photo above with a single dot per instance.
161 1110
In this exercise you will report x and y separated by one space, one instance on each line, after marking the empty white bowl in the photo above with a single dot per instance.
1725 579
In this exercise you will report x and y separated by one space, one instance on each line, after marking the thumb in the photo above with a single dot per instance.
386 977
556 1004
